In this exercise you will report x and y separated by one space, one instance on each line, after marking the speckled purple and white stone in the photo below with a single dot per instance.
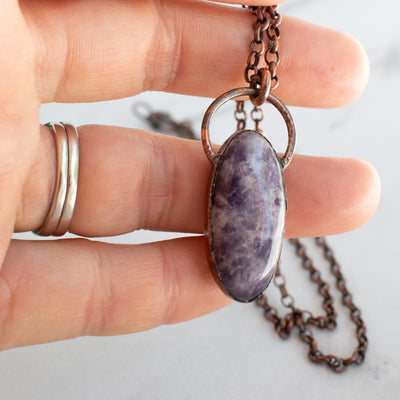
247 215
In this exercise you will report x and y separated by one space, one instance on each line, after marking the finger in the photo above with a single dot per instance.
350 189
131 179
19 106
56 290
189 47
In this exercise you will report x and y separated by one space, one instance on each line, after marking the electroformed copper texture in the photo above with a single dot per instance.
247 92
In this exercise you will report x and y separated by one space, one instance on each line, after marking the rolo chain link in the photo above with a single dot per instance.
240 115
303 319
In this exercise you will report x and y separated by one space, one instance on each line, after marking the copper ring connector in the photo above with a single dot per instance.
264 89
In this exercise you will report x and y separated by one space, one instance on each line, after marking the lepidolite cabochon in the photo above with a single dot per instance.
246 215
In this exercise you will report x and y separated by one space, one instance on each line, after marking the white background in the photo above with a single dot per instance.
234 353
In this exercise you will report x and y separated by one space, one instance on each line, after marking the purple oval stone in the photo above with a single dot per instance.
246 215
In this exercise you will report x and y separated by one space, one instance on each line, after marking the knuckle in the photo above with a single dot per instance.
158 183
164 44
169 288
98 296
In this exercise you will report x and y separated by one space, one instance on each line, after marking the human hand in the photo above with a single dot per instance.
80 51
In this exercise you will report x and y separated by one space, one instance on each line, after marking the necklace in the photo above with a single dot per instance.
247 203
247 193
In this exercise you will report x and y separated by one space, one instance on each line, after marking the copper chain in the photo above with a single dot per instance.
257 115
266 29
267 23
240 115
163 122
303 319
266 26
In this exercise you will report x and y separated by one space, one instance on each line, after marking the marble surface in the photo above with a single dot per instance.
233 353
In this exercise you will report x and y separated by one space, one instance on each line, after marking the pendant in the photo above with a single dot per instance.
246 204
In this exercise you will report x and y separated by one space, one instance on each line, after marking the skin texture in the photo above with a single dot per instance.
55 51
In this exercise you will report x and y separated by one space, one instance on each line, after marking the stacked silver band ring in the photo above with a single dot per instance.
62 205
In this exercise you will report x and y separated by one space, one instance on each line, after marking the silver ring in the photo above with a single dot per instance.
62 205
